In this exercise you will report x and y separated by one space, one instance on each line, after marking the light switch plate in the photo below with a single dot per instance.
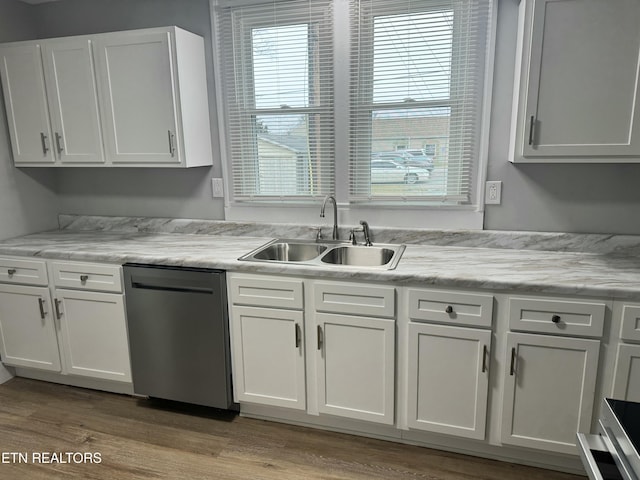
493 193
217 188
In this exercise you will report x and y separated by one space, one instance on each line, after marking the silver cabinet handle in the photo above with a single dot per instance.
298 335
11 272
43 140
41 305
532 122
512 369
172 148
320 339
56 304
59 143
84 278
485 352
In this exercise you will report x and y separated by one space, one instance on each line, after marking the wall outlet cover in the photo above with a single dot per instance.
493 193
217 187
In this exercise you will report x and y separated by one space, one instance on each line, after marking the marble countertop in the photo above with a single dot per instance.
549 272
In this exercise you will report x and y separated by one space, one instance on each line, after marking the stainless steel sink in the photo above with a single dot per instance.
308 252
290 252
360 256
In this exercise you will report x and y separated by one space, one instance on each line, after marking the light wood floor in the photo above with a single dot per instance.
138 439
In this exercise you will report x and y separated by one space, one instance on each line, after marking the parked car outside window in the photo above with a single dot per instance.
389 171
413 158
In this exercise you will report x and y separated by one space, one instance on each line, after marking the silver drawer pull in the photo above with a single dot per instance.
172 148
449 309
56 304
43 140
84 278
11 272
59 143
555 318
41 305
298 335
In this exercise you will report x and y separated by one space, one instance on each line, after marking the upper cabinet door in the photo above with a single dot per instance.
579 82
26 104
137 80
73 101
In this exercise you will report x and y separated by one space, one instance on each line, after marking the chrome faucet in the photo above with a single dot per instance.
335 214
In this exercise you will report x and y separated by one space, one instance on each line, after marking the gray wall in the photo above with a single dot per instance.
138 191
573 198
28 202
576 198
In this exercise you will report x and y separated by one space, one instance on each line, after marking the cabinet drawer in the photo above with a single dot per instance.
365 300
630 330
559 317
87 276
454 308
25 272
266 292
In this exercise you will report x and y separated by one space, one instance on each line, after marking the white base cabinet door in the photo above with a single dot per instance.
356 367
94 334
549 391
27 328
626 382
448 379
268 356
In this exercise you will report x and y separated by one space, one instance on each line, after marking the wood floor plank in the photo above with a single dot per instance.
143 440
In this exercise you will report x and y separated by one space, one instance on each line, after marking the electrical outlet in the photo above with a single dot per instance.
493 193
217 188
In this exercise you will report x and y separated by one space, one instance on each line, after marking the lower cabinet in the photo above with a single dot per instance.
549 390
27 328
626 382
268 355
356 367
448 379
93 330
76 326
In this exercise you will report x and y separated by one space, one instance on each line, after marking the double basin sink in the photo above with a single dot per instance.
308 252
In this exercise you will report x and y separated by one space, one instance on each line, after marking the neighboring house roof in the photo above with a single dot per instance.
294 143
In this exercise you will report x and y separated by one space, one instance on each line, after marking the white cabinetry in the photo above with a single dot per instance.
27 328
448 365
356 367
134 98
83 323
550 381
267 343
154 98
25 101
577 81
355 355
626 381
350 326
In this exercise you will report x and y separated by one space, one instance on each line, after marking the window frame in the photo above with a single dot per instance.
417 215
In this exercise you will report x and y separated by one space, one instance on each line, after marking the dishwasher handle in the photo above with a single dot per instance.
171 288
187 280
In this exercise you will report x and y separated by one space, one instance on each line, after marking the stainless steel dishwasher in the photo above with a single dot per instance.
178 334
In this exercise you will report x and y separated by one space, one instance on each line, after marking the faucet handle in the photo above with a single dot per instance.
319 234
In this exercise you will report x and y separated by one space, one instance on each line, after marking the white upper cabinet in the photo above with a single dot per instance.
154 98
73 101
576 92
134 98
26 104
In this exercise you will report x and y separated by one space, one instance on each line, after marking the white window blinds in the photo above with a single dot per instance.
418 69
277 60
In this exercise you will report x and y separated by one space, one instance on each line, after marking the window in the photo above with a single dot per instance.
278 71
410 83
417 74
